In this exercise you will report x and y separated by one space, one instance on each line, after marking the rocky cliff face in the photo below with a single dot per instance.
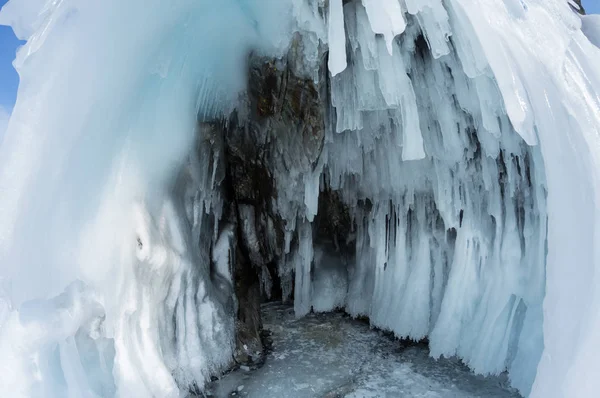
581 10
273 139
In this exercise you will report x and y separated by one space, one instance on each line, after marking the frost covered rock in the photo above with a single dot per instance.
577 5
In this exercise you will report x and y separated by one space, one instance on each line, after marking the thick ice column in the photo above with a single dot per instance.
336 37
366 38
303 260
386 18
397 90
361 279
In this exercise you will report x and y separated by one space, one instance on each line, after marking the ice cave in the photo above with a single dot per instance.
189 186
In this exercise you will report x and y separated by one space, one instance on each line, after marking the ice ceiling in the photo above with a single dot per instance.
432 165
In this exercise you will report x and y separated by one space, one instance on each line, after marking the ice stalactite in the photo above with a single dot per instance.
430 165
452 244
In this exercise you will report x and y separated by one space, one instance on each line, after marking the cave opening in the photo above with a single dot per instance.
356 256
331 207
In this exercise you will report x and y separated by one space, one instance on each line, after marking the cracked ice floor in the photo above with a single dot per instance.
331 355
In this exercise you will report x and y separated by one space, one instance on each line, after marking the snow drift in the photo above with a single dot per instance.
460 138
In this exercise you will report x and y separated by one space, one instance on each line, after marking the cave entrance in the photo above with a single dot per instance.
332 215
315 348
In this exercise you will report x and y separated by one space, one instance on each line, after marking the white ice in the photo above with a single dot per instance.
463 141
4 115
107 113
337 38
590 26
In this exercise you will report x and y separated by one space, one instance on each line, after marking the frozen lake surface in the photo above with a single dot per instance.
332 355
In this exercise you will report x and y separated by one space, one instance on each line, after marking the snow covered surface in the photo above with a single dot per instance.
332 355
590 26
4 116
464 138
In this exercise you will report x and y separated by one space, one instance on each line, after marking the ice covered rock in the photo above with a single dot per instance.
429 165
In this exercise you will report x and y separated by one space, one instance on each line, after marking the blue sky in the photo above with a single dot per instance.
9 79
591 6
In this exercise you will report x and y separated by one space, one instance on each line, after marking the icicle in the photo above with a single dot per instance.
386 18
337 38
303 260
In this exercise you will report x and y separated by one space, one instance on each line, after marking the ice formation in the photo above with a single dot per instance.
429 164
4 115
591 28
